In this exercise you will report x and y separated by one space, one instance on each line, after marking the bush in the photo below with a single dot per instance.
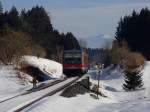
12 46
125 58
119 55
134 61
36 50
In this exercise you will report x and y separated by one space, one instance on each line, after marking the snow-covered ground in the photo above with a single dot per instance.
10 83
111 84
146 78
15 103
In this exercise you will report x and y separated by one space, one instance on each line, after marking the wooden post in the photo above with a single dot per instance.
98 84
88 82
99 72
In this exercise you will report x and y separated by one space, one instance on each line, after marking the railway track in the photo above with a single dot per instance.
20 102
38 88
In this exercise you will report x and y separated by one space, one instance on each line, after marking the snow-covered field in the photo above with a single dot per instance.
111 84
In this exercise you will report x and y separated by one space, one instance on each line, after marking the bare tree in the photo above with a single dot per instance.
12 46
36 50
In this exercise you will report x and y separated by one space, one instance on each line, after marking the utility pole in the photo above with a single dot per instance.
99 68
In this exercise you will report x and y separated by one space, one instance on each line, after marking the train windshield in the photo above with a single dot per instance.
71 55
72 60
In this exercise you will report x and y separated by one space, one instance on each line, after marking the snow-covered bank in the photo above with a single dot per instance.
146 79
49 67
10 83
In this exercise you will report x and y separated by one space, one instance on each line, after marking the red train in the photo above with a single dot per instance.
75 61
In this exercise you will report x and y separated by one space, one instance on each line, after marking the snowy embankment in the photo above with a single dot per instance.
118 100
146 79
10 83
14 82
49 67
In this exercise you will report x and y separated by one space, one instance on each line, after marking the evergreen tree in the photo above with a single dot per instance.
1 15
37 23
1 8
133 80
135 30
71 42
13 19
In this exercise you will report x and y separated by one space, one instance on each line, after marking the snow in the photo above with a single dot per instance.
140 106
146 78
118 100
82 103
10 84
14 104
111 81
49 67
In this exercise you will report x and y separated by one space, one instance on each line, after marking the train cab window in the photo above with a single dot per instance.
77 60
67 60
72 60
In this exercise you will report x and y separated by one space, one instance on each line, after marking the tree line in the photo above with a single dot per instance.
31 32
134 29
131 47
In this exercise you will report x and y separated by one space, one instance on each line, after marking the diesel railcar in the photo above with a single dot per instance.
75 62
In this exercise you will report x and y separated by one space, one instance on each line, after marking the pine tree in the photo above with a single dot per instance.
134 29
71 42
1 8
133 80
13 18
1 16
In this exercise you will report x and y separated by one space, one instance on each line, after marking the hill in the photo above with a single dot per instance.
98 41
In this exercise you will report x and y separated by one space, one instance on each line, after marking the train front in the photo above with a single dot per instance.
73 63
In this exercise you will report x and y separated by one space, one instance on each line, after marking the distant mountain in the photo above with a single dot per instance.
98 41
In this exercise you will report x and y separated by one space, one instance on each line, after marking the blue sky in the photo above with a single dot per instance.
85 18
59 4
